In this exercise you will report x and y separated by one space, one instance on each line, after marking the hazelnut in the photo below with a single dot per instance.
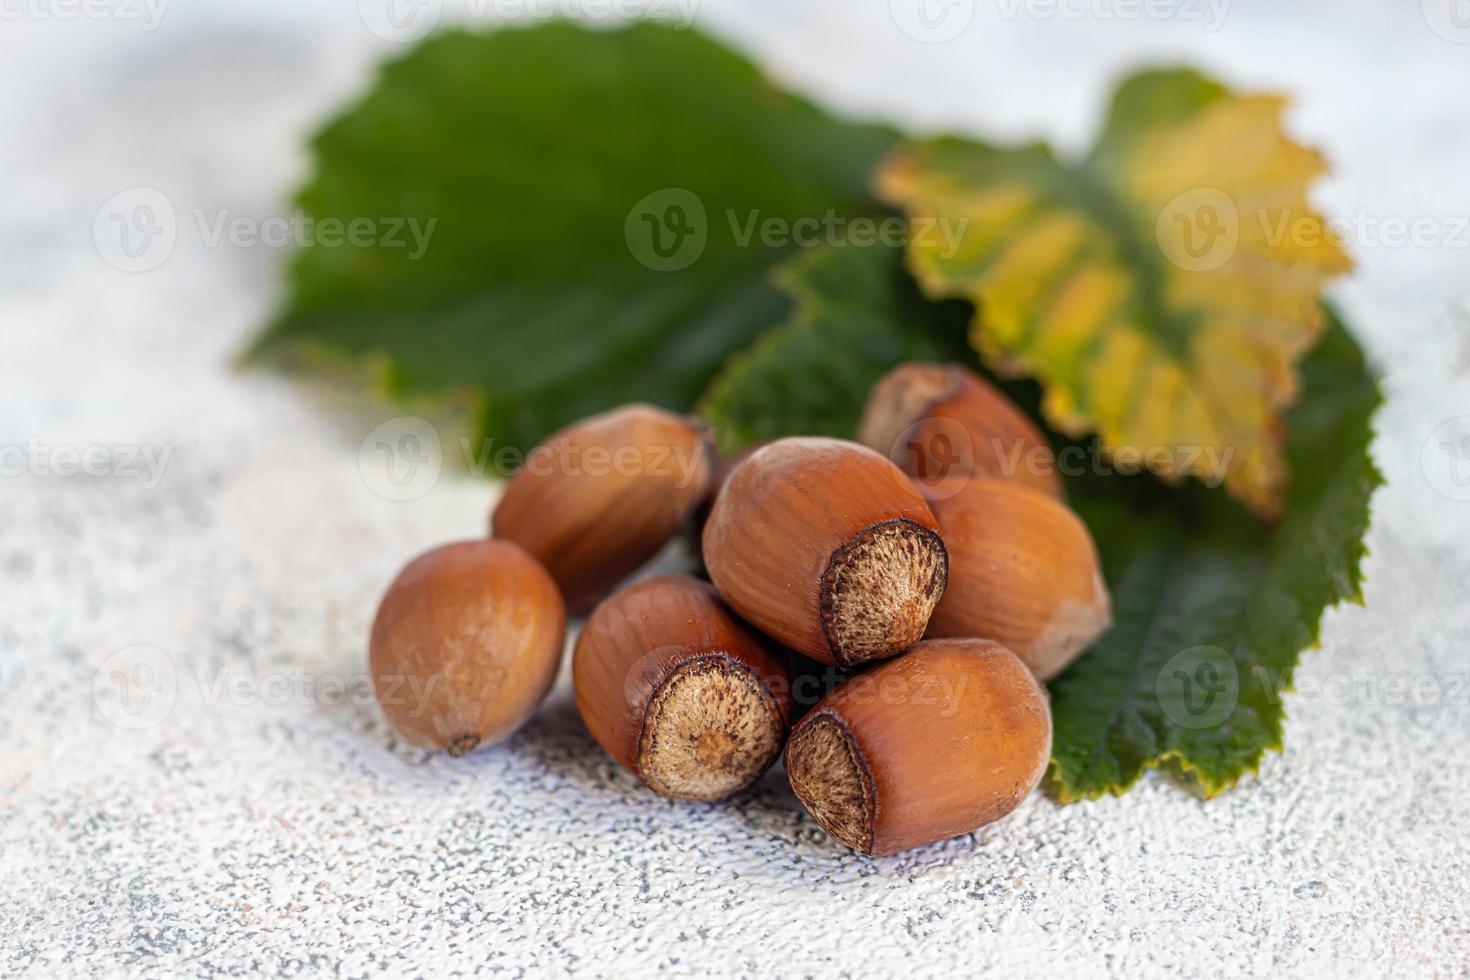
939 742
466 644
599 498
1023 570
679 691
941 420
720 471
827 547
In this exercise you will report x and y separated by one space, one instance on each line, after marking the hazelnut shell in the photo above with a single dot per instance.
827 547
939 421
599 498
465 644
679 691
936 743
1023 571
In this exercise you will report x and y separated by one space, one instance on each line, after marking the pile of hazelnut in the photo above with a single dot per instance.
935 568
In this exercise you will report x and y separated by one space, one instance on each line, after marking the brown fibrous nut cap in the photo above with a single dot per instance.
599 498
940 421
465 644
1024 571
679 691
936 743
827 547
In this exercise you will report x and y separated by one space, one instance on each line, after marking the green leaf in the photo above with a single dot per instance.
1200 586
547 163
857 314
1162 290
1212 607
535 152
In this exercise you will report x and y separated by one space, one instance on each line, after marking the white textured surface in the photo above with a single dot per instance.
260 827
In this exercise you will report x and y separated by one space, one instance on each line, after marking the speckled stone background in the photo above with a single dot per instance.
193 782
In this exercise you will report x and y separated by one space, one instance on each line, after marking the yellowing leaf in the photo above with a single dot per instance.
1162 290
